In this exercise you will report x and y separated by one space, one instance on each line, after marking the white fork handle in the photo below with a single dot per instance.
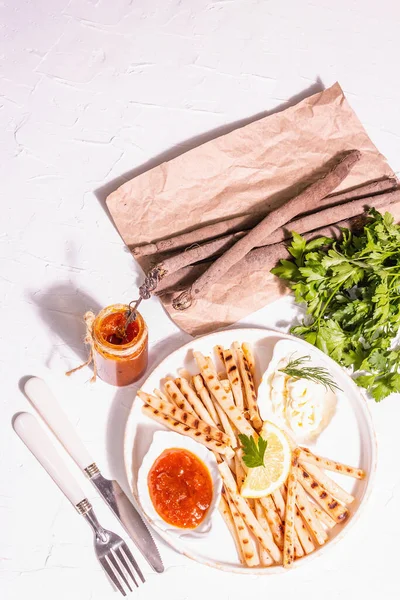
47 406
39 443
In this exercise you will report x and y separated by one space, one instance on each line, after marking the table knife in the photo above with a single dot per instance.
45 403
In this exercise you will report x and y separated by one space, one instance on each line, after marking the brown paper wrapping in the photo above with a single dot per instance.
254 168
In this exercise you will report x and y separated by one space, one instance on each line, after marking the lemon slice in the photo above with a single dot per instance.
262 481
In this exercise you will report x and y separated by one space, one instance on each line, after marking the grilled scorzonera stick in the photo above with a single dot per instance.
184 374
274 520
337 511
249 387
205 397
305 508
194 401
226 514
249 356
200 437
233 375
216 389
226 425
301 529
240 472
323 516
184 417
247 544
264 537
177 397
161 396
219 351
265 558
330 465
288 540
331 486
281 508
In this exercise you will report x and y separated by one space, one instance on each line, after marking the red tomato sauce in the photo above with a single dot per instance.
113 329
180 487
120 351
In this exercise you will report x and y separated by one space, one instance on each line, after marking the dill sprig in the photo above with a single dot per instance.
295 368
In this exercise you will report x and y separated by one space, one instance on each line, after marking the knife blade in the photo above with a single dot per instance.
128 516
45 403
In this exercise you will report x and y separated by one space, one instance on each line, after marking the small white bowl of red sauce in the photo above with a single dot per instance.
179 484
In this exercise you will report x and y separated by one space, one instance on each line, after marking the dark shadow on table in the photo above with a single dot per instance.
102 192
61 308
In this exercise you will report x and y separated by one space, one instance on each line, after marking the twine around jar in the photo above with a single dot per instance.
145 292
89 318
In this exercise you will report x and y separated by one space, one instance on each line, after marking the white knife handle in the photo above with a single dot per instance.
33 436
47 406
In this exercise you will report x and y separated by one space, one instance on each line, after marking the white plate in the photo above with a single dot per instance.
349 438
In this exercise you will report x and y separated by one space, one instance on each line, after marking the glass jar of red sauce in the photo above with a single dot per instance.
120 352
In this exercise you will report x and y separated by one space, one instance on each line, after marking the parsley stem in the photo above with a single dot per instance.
335 291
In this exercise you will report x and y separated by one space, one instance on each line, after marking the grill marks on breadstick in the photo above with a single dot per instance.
216 389
328 484
262 536
219 351
265 558
223 419
176 397
250 359
184 417
330 465
249 386
274 520
303 533
337 511
191 397
323 516
226 425
234 378
288 539
175 425
300 528
246 541
161 396
205 397
308 515
280 506
239 470
226 514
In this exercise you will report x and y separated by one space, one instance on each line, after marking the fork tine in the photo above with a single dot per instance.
123 560
108 569
117 567
131 559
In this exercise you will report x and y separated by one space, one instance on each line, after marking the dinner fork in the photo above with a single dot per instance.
111 550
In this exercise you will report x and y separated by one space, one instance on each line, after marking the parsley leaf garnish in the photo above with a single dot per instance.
351 291
253 452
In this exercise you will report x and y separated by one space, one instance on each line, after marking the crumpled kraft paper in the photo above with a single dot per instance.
253 168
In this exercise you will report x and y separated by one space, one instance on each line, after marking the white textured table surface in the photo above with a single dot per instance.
90 91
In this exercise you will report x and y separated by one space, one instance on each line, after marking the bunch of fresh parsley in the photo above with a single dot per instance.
352 291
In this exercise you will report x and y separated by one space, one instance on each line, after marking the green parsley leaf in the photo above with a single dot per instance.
318 243
286 270
351 291
297 246
253 452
